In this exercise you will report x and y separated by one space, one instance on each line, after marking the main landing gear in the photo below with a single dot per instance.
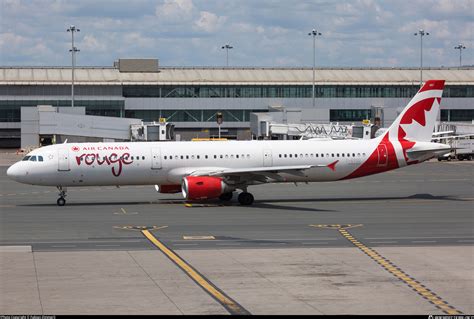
62 194
244 198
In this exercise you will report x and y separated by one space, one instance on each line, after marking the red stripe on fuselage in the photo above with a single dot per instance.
372 164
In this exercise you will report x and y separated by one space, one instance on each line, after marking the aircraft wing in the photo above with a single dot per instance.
259 174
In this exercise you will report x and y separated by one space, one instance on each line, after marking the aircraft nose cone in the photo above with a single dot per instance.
14 172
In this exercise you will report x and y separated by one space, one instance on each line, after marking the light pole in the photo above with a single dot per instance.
73 51
422 33
227 47
314 33
460 47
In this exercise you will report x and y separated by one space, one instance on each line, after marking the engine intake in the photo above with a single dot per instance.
203 187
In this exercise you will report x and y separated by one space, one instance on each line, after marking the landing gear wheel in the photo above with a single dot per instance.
449 159
469 158
62 194
61 201
226 196
245 198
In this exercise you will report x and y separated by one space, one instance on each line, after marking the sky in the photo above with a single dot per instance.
263 33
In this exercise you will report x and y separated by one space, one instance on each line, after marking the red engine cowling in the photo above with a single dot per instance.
168 189
203 187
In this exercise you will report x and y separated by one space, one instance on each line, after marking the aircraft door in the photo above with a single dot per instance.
63 160
267 158
383 155
155 158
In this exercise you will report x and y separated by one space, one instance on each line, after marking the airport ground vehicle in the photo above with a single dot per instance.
215 169
462 149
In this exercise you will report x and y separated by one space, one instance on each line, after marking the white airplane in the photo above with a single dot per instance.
215 169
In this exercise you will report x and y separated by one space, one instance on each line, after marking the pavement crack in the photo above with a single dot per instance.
154 281
37 283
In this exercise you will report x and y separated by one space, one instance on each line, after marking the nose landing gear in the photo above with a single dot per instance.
62 194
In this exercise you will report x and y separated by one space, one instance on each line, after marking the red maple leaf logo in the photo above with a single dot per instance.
75 148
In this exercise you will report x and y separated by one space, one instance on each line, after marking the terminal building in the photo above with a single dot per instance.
190 97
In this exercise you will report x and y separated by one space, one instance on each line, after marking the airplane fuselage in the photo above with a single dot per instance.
142 163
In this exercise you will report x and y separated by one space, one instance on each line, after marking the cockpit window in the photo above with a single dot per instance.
33 158
40 158
26 158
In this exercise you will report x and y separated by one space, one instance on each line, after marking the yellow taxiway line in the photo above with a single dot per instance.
231 305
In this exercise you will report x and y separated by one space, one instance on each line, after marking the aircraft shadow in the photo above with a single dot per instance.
265 204
362 199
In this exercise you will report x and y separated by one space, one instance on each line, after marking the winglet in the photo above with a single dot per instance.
332 166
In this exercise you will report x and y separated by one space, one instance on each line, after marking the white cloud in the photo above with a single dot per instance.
175 10
263 32
9 40
90 43
209 22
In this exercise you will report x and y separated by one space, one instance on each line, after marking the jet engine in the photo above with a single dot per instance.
204 187
168 189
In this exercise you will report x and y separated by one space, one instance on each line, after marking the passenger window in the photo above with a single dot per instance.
237 156
337 154
317 155
182 157
342 154
197 156
165 157
26 158
143 157
296 155
40 158
248 155
363 154
332 155
215 156
279 155
227 156
221 156
353 155
291 155
232 156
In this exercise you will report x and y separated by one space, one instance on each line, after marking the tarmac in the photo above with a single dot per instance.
394 243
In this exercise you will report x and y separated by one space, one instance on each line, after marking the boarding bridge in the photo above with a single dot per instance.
44 125
152 131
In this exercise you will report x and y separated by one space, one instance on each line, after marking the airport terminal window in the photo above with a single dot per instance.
285 91
340 115
457 115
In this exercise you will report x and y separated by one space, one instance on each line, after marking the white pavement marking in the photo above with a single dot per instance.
9 249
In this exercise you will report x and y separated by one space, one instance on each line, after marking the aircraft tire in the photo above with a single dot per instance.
226 196
245 198
61 201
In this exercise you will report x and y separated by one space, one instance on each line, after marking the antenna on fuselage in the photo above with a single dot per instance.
65 141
